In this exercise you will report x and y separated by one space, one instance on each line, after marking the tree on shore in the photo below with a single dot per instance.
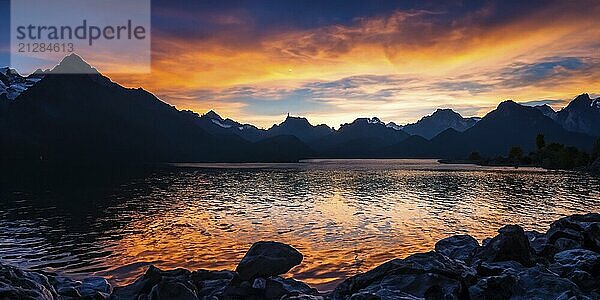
540 142
515 154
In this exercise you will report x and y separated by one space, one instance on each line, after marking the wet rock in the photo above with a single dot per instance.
494 287
19 284
212 283
259 283
539 244
563 244
417 275
581 266
591 237
576 259
277 287
461 247
510 244
172 290
574 228
584 280
93 285
266 259
69 291
144 285
540 283
485 269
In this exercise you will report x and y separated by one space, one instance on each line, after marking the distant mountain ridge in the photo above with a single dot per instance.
87 117
442 119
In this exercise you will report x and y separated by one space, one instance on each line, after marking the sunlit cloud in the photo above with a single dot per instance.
398 65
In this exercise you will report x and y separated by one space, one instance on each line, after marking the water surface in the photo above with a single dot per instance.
344 216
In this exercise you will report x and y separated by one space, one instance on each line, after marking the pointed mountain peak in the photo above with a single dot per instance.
583 97
581 102
213 115
73 64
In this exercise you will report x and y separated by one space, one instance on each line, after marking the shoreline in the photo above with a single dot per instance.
563 262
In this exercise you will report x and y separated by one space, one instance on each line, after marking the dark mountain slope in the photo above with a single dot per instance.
508 125
362 138
300 128
87 118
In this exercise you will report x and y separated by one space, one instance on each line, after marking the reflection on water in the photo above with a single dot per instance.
345 217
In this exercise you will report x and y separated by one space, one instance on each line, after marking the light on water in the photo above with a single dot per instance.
344 216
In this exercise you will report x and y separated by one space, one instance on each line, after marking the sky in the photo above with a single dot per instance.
334 61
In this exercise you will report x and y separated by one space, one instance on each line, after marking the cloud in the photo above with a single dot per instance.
397 64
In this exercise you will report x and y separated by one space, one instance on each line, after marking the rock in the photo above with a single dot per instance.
266 259
573 228
91 285
591 237
563 244
539 283
69 291
212 283
259 283
461 247
172 290
576 259
494 287
18 284
581 266
417 275
510 244
145 283
584 280
277 287
485 269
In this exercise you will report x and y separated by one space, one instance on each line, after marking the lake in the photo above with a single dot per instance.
345 216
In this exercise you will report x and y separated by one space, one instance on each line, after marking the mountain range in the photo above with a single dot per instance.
52 116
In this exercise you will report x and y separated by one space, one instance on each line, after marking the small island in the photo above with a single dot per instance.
562 263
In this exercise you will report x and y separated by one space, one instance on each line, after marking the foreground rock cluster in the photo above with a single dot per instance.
562 263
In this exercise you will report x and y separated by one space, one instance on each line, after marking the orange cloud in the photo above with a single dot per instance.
464 63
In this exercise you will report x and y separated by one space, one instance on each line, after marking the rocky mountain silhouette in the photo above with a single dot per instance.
581 115
440 120
84 118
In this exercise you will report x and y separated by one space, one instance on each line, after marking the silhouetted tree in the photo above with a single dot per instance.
515 154
540 141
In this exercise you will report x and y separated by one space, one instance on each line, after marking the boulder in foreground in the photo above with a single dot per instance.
266 259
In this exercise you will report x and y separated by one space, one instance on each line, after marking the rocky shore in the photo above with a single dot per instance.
562 263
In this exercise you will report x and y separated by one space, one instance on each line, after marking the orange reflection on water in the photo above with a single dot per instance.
342 221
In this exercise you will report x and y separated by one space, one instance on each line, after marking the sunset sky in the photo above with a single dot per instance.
333 61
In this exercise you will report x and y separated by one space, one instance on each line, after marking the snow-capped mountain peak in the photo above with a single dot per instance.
219 123
12 84
596 103
394 126
374 120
